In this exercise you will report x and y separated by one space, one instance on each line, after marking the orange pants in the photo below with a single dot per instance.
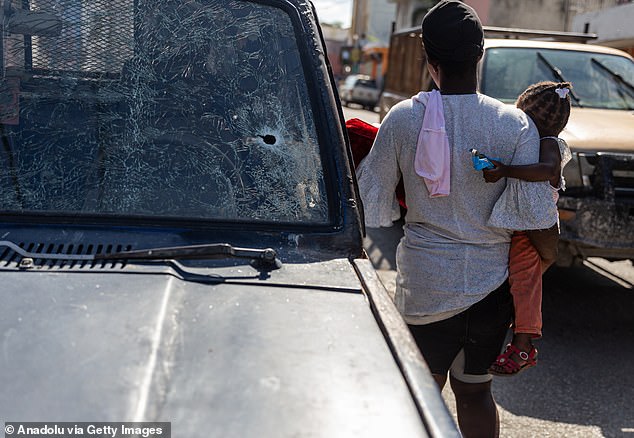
525 279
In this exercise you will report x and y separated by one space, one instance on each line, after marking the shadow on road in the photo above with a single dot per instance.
585 374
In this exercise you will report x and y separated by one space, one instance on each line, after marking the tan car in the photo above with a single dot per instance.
597 209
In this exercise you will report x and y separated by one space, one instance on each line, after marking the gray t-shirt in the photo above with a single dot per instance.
448 258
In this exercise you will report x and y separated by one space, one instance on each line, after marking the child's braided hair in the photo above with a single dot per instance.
543 104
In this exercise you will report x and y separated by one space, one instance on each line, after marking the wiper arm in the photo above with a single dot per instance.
614 74
262 258
557 73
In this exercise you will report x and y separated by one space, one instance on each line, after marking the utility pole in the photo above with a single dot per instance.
358 32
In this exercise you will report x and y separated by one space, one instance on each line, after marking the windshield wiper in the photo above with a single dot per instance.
262 258
557 73
614 75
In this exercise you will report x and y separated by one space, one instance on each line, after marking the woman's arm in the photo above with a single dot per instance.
548 168
379 173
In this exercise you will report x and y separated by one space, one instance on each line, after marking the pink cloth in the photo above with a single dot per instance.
432 159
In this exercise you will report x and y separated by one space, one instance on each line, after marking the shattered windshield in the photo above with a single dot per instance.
163 108
598 80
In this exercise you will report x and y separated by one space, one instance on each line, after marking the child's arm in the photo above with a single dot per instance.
548 168
545 242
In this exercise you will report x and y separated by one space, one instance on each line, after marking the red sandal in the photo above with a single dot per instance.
506 366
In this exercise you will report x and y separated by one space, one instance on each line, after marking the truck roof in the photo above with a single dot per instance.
531 38
503 42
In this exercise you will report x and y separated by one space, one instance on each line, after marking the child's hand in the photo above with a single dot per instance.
495 174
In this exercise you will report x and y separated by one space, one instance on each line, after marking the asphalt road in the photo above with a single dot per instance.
583 385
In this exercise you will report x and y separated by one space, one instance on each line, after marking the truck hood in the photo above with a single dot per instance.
254 357
597 130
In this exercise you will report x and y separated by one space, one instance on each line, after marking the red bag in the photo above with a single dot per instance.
362 135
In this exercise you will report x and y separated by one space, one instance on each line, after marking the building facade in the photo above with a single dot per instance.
336 38
369 37
371 22
612 25
556 15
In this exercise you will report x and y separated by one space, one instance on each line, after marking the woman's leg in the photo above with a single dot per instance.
476 409
439 343
440 379
487 326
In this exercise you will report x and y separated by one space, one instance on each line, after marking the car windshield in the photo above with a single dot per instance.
370 83
598 80
157 108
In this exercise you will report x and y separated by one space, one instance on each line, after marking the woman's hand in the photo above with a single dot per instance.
495 174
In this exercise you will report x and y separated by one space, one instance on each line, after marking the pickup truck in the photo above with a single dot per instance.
181 238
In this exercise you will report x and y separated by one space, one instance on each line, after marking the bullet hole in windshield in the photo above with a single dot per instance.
268 139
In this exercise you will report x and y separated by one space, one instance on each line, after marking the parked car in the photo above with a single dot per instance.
360 89
181 235
597 208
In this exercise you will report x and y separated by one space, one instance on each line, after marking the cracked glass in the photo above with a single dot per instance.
181 109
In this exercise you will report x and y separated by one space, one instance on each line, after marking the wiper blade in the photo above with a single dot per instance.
614 74
559 75
262 258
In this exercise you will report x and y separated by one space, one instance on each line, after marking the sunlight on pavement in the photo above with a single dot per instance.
517 426
620 272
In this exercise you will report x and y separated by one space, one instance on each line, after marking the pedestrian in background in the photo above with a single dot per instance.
452 268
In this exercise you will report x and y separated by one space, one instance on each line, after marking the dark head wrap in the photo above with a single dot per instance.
452 31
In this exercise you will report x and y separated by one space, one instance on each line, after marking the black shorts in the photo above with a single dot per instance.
479 331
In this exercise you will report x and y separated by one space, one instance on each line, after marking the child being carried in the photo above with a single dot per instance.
533 251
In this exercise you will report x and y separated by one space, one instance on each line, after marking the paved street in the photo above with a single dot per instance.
584 383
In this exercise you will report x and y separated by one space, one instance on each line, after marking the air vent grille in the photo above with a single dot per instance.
52 256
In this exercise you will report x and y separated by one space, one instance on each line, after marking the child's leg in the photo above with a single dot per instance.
525 279
545 241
